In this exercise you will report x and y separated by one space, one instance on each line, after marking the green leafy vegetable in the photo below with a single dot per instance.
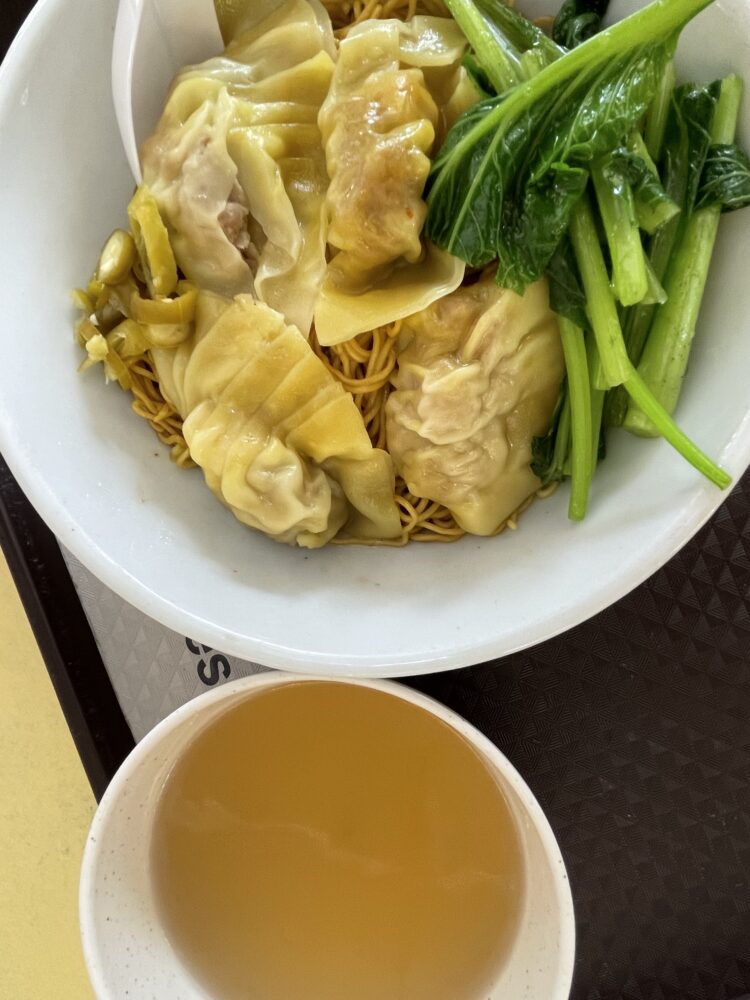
510 182
578 20
566 296
518 31
654 411
688 141
576 436
549 453
685 146
477 74
488 41
582 463
506 181
655 296
602 308
617 207
653 206
615 366
658 113
665 356
597 396
726 178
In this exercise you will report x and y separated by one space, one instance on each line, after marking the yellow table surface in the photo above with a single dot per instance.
46 806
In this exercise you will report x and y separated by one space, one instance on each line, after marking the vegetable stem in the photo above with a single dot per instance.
601 302
653 206
562 440
656 296
657 19
617 209
637 145
658 113
597 401
609 341
643 398
496 55
576 364
665 356
520 32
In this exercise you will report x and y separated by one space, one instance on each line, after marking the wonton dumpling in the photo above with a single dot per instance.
477 380
379 126
279 440
236 163
239 17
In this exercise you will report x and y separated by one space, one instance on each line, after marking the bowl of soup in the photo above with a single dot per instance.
156 533
288 837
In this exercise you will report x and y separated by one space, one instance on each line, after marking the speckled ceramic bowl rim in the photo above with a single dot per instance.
96 843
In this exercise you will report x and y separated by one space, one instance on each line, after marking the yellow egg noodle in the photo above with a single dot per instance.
159 329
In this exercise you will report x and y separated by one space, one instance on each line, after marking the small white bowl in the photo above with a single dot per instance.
156 535
126 950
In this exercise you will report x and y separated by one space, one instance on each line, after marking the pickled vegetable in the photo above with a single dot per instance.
152 241
117 258
129 339
162 311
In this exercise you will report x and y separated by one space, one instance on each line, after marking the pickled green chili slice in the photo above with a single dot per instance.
162 311
116 259
152 242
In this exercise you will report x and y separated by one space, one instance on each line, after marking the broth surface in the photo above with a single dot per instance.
325 841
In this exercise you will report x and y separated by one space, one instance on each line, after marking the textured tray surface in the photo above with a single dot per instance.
633 731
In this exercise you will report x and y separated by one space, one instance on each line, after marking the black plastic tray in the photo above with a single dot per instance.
632 729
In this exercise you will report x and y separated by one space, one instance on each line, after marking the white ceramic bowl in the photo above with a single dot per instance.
155 534
126 950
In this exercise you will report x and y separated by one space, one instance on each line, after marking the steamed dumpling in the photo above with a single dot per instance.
379 125
477 380
278 439
237 167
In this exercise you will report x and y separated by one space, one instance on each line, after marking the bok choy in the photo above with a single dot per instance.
511 170
575 144
665 356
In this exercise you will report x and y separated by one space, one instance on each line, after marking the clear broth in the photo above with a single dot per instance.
325 841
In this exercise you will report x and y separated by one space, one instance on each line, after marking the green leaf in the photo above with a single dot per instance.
726 178
539 226
566 294
600 111
577 21
687 142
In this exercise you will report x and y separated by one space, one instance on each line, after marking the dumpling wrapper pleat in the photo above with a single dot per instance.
280 441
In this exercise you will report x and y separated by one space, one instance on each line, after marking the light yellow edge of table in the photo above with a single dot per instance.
46 805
